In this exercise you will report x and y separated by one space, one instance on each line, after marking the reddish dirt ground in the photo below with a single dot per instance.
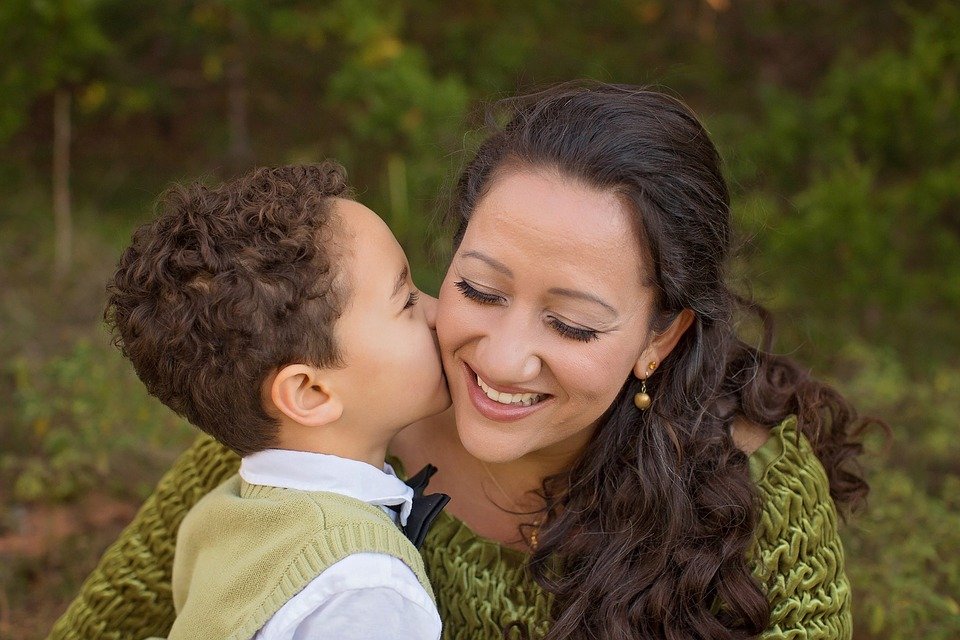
46 550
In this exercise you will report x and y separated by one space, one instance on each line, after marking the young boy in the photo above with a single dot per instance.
279 316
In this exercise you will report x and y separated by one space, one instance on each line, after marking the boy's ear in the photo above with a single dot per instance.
299 392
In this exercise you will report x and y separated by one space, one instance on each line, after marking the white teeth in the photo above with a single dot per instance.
522 399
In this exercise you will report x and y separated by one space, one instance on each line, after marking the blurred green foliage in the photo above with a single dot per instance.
902 554
88 423
839 123
46 44
858 187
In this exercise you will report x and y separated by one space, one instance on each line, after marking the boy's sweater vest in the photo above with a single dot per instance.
244 550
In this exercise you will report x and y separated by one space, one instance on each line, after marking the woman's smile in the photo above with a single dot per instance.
497 405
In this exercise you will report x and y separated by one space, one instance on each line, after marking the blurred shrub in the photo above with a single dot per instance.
858 190
84 419
400 118
902 554
902 560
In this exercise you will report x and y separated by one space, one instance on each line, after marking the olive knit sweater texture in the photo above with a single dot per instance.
480 585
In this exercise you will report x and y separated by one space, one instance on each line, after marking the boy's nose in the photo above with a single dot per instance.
429 309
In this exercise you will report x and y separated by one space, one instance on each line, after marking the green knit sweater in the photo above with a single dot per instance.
244 550
480 585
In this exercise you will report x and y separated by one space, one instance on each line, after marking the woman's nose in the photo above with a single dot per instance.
507 355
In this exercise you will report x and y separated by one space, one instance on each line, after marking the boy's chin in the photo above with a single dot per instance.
442 404
441 407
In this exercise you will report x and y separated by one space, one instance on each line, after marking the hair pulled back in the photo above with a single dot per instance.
647 535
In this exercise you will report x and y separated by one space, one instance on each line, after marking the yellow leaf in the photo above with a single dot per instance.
876 619
41 426
212 67
952 606
205 15
93 97
648 11
381 50
412 119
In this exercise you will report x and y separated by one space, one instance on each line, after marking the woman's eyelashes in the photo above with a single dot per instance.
412 299
471 293
564 329
575 333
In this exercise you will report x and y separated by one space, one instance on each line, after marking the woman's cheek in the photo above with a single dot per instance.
447 329
459 322
595 373
447 317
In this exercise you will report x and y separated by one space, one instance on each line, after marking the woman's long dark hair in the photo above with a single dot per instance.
647 536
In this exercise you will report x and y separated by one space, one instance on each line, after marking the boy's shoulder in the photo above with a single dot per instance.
238 504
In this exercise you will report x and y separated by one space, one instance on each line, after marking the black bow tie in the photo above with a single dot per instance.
425 507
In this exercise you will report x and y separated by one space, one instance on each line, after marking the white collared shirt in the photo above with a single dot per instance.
365 595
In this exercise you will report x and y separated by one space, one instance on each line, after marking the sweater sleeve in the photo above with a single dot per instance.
128 595
798 555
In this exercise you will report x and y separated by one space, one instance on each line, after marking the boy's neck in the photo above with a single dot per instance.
332 441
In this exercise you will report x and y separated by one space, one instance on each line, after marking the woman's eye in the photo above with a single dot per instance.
477 296
574 333
412 299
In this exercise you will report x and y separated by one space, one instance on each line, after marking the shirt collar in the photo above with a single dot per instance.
307 471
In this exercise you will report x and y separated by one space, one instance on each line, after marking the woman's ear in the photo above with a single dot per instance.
301 393
662 344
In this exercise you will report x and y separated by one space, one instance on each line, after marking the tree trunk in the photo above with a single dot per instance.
62 219
239 152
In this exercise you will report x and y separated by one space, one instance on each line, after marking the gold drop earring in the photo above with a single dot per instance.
643 400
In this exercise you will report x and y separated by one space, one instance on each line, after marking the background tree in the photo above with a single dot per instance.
49 48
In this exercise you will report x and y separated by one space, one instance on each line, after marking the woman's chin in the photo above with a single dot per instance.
488 444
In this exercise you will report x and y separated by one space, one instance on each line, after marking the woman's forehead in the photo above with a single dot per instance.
547 219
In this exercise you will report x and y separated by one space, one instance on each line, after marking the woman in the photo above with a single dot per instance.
621 464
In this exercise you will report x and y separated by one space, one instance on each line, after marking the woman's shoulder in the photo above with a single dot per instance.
798 555
793 486
783 462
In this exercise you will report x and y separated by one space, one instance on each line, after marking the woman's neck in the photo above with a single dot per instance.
493 499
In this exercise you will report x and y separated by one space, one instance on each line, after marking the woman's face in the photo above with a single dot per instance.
545 311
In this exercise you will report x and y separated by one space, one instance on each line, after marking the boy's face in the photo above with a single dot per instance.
392 375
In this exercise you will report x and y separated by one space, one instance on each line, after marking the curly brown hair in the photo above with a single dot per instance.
227 284
647 535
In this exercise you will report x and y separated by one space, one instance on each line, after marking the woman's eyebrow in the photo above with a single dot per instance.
559 291
583 295
499 266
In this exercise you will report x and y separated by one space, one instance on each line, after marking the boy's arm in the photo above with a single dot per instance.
370 613
365 595
128 595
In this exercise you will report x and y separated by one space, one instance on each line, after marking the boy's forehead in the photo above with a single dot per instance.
358 218
369 241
